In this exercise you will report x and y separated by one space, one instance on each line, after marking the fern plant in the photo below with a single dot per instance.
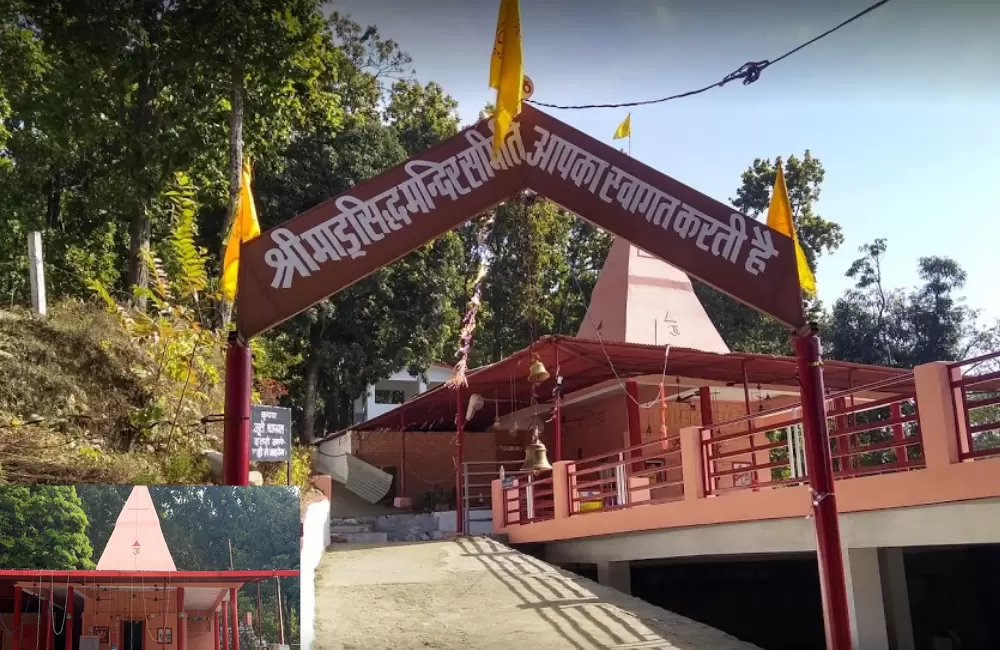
181 354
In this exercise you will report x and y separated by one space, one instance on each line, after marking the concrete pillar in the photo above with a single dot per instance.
616 575
936 404
897 598
560 489
692 463
878 601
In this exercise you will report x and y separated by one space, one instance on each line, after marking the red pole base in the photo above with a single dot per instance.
819 466
236 421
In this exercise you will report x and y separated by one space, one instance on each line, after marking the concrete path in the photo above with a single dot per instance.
477 594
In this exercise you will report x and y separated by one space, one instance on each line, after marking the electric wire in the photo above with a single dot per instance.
749 72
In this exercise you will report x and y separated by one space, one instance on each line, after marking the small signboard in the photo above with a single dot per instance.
270 434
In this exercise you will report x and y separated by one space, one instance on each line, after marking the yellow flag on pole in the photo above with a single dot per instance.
245 228
507 70
779 217
624 129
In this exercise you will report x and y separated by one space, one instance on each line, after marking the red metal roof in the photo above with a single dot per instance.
585 362
61 577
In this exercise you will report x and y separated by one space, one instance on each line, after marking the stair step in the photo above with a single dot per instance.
351 528
359 538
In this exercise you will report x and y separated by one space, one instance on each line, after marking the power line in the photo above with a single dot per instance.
749 72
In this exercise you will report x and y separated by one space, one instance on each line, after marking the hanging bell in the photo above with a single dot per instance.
537 372
535 460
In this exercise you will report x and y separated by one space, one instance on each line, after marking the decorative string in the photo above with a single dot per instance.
458 377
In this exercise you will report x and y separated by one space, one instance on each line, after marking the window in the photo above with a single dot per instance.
383 396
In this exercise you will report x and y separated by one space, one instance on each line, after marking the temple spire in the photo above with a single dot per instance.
639 298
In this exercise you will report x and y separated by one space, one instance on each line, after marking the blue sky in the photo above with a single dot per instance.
902 107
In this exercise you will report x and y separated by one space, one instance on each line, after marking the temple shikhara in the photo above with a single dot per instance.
136 598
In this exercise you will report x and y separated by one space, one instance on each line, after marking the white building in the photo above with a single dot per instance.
389 393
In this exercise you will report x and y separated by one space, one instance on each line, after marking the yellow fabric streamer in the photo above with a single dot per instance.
507 70
624 129
245 228
779 217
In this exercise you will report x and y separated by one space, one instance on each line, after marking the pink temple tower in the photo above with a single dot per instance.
639 298
137 542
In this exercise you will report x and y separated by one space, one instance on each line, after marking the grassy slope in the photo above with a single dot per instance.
67 390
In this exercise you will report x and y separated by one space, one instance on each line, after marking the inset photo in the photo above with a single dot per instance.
98 567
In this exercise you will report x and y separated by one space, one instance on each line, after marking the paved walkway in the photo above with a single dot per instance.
477 594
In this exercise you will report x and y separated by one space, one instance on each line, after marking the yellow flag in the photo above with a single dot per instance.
245 228
624 129
507 70
779 217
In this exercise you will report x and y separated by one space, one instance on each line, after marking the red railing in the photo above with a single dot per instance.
528 499
643 474
977 405
867 436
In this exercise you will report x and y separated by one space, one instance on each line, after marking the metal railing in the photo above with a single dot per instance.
477 479
532 499
767 449
977 405
642 474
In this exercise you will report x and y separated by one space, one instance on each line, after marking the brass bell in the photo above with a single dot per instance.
537 372
535 460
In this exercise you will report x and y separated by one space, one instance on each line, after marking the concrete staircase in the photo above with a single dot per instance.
355 531
386 528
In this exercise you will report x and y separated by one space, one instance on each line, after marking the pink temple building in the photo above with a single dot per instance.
136 599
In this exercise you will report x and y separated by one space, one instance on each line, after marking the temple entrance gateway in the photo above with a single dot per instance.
330 247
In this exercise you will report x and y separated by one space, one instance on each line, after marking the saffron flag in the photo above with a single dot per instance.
507 70
779 217
624 129
245 228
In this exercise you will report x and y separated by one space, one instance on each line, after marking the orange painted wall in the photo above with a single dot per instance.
430 457
591 428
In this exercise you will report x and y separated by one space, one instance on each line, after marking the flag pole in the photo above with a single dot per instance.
819 469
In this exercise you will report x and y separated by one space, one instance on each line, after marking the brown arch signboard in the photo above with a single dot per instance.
326 249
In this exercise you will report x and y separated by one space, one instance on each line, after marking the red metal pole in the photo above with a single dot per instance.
402 452
634 422
215 626
181 621
50 633
234 612
557 413
43 618
459 441
16 632
225 625
236 422
808 354
68 626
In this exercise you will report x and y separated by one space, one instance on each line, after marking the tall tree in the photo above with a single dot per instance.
401 316
45 527
872 323
272 58
743 328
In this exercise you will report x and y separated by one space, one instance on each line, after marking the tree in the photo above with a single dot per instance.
543 264
402 315
44 528
905 328
102 505
743 328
